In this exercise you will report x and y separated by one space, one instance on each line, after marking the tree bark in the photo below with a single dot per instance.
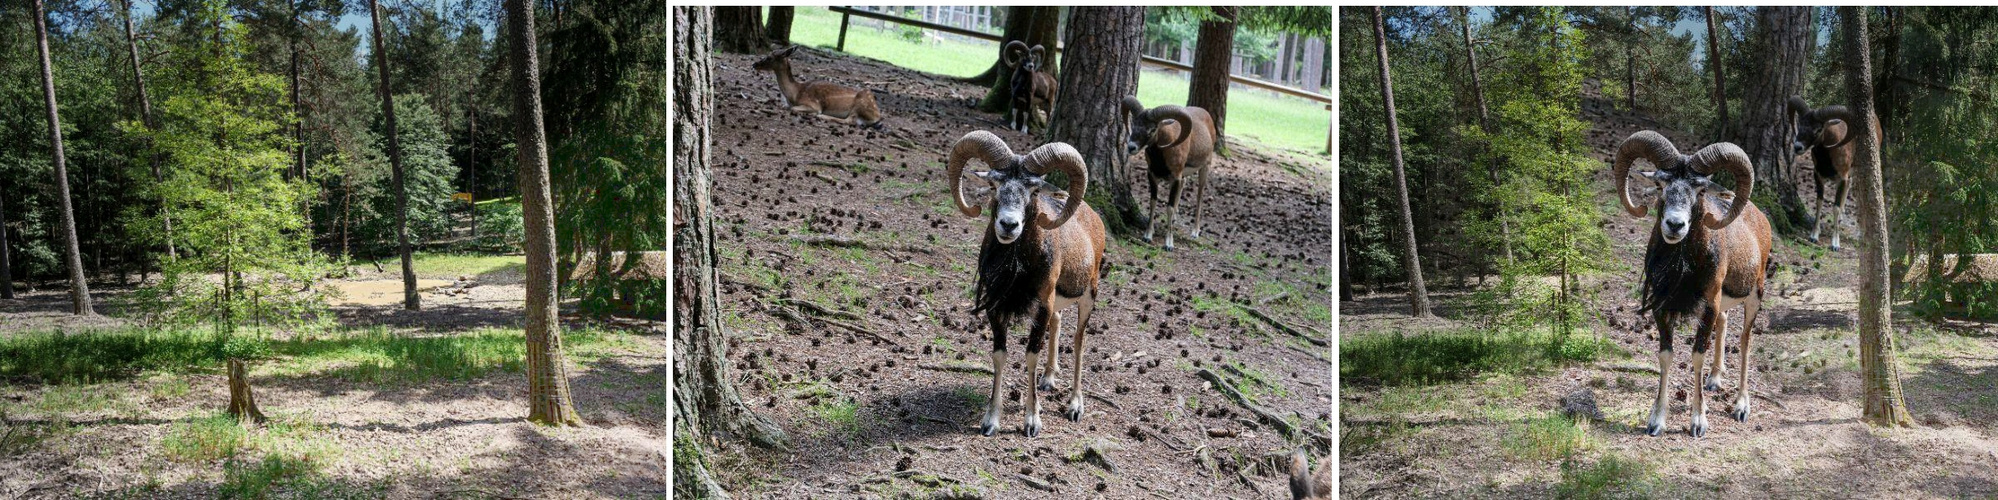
1783 35
547 369
1714 63
779 30
1879 370
472 165
79 291
242 403
1314 63
1418 295
410 299
1212 54
1630 57
1103 43
705 401
146 115
1031 26
739 29
6 253
1484 122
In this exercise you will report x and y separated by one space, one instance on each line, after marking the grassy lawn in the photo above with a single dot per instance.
1267 117
452 265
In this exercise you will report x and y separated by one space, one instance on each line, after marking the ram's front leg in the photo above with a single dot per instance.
1042 321
1075 383
1656 425
995 407
1709 322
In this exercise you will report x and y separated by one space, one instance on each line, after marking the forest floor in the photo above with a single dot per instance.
1502 433
895 411
385 404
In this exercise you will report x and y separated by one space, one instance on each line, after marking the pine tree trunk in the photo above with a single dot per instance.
1714 63
739 29
242 403
79 291
779 31
6 253
1212 54
410 299
1314 63
1418 294
1102 45
1880 374
146 115
1783 37
547 369
472 165
1484 122
1630 58
1031 26
705 399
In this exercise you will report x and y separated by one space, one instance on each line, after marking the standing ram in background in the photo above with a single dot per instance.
1033 88
1042 253
826 100
1177 141
1826 134
1701 259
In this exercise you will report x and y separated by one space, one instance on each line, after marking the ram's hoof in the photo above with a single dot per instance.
1714 384
1032 428
1699 427
1740 412
989 429
1654 430
1074 412
1048 384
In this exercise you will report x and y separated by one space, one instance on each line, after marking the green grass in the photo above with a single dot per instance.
1268 117
448 266
203 439
843 414
1611 477
372 355
1438 357
1545 438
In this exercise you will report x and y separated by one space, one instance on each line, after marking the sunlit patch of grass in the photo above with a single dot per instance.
1611 477
448 266
376 355
1256 384
57 357
842 414
1446 356
203 439
1546 438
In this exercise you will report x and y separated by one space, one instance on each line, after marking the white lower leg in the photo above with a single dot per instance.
995 406
1656 424
1033 425
1699 426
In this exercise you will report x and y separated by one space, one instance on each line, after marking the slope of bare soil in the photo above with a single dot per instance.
1803 439
433 438
886 414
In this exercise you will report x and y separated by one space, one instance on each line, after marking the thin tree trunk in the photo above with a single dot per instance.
1314 63
1879 370
1484 123
1102 42
472 165
6 253
1714 62
1630 58
1783 36
1212 55
705 401
298 123
1418 295
739 29
779 30
79 291
410 299
547 369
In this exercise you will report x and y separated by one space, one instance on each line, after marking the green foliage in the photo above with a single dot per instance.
203 439
58 356
1545 438
237 222
501 224
427 175
1447 356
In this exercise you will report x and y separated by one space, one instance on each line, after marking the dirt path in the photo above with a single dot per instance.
1804 438
862 408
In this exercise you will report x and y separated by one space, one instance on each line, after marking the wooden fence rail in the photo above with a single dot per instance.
847 13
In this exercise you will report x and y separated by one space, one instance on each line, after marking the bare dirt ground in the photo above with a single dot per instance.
440 438
888 414
1804 438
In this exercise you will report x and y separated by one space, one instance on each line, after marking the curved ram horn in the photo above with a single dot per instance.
1649 146
1178 115
981 145
1013 53
1060 156
1727 156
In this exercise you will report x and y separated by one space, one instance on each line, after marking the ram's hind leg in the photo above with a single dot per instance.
1656 425
996 405
1172 211
1838 212
1716 371
1047 375
1083 308
1818 222
1741 396
1702 340
1152 209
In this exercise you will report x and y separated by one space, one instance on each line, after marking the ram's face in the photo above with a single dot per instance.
1808 130
1031 64
1142 132
1679 196
1013 190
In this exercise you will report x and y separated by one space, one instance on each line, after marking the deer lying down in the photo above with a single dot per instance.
825 100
